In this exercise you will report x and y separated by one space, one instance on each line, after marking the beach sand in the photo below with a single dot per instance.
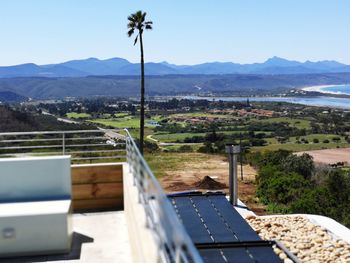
320 88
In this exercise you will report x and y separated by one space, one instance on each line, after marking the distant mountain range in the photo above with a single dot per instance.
120 66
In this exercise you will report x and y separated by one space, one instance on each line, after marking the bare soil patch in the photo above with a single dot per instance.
210 184
330 156
193 175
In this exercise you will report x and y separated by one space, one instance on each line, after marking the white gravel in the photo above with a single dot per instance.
307 241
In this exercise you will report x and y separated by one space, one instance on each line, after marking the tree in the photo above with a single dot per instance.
303 164
137 23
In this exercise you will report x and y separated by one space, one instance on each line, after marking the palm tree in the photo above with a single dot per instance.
137 23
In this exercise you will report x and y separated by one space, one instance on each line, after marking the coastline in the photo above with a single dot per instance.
320 89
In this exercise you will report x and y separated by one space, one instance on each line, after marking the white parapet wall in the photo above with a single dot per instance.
143 244
35 206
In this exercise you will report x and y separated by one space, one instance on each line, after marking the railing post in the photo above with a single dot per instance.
63 143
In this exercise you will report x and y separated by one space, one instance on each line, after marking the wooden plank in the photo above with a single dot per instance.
97 191
97 174
98 204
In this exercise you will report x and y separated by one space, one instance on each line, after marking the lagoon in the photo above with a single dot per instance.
312 101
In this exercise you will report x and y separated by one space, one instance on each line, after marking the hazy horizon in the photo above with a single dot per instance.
47 32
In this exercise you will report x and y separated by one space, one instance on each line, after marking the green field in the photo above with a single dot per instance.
201 114
121 123
175 137
130 123
297 123
121 115
320 137
75 115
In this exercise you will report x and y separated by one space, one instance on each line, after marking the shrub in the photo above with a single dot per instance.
185 148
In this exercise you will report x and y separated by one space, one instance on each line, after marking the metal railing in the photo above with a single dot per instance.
173 241
174 244
85 146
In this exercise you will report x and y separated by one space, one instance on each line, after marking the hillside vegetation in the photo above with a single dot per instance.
126 86
19 121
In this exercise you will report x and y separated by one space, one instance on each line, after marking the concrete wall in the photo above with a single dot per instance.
144 248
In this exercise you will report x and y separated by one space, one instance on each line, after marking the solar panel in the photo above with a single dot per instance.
218 230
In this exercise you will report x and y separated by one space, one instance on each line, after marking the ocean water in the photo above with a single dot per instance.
312 101
343 89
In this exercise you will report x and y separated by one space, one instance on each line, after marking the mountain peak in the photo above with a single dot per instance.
276 59
281 62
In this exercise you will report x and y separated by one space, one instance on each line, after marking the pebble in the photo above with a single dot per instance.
307 241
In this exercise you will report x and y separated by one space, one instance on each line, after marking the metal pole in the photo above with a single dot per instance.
231 168
63 144
233 182
241 156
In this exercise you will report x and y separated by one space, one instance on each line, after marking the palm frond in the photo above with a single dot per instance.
143 17
149 27
131 25
139 14
131 32
135 41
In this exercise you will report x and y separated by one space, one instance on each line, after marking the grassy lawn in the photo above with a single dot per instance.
121 115
320 137
135 133
116 123
297 123
201 114
121 123
75 115
175 148
179 137
173 137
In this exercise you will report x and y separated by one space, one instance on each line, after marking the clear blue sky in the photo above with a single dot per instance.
185 31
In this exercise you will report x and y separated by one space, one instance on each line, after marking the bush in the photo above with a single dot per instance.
315 140
326 141
288 183
185 148
276 186
336 139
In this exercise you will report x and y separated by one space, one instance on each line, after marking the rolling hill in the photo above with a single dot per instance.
128 86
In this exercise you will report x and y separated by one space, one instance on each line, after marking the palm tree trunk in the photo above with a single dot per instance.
142 111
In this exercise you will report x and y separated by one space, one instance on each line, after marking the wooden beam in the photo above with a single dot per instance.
97 191
98 204
97 174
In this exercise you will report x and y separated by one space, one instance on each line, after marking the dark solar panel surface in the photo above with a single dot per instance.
219 231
